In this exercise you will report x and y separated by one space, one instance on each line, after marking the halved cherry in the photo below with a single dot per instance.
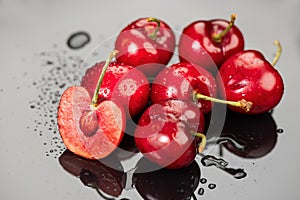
90 129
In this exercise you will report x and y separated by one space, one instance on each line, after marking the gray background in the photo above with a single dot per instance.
28 27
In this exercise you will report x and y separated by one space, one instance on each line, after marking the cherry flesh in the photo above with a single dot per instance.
121 82
146 43
182 81
99 143
209 43
165 133
248 75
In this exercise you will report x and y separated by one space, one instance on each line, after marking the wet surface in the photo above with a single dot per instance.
38 65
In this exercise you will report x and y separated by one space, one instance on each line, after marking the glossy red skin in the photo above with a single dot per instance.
247 75
136 48
180 81
122 82
164 133
196 43
111 122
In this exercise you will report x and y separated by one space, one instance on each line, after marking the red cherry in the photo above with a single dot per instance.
88 128
165 133
147 43
182 81
210 43
122 82
250 76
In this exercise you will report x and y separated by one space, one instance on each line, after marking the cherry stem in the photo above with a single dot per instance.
243 104
278 53
202 145
218 37
154 34
107 62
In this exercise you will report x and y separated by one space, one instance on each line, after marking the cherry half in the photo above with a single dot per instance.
165 133
248 75
210 43
146 43
87 127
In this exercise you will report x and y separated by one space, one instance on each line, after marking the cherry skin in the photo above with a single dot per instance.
200 45
182 81
121 82
146 43
164 133
248 75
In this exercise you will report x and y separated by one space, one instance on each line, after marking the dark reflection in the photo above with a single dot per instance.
107 179
210 160
257 133
164 184
126 148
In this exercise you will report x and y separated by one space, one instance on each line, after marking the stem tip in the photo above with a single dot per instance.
245 105
278 53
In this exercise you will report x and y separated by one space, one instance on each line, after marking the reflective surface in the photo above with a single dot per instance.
37 65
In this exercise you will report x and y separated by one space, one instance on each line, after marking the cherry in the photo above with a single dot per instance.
210 43
90 128
164 183
183 81
165 133
106 175
257 134
250 76
121 82
146 43
191 83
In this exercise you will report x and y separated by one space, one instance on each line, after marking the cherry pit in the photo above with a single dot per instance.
167 102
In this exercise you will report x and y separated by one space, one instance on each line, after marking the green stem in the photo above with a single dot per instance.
154 34
202 145
243 104
278 53
108 60
218 37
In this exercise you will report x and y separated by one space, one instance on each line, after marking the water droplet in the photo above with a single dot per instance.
203 180
78 40
209 160
280 130
62 85
212 186
201 191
